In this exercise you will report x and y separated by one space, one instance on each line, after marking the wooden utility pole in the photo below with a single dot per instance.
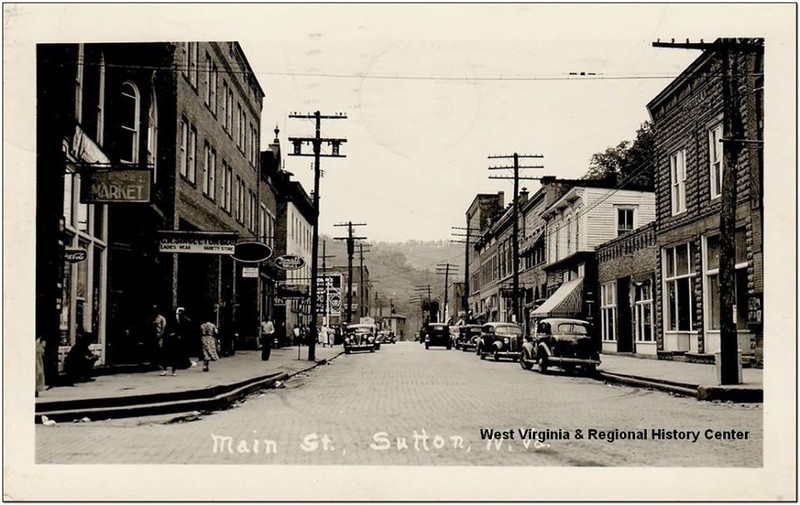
468 235
733 140
445 268
351 240
515 231
316 142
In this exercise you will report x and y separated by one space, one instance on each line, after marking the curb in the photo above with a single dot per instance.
206 399
704 393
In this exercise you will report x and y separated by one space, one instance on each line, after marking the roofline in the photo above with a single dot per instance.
680 80
249 68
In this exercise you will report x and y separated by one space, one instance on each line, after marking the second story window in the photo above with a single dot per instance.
677 168
129 123
192 168
194 71
152 134
224 104
625 220
715 159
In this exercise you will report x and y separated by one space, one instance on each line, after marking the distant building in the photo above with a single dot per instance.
481 212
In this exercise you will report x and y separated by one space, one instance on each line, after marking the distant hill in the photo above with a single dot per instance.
396 269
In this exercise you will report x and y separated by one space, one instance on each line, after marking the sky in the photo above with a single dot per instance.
430 90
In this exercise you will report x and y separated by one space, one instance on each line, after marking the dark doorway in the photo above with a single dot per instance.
624 331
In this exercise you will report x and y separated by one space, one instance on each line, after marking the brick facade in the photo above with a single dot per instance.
683 115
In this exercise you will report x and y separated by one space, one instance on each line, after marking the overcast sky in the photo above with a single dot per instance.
430 90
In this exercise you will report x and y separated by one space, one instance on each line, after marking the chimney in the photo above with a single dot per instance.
501 199
523 196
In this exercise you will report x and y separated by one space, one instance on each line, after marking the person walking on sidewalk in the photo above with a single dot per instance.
159 325
40 385
175 342
208 337
267 334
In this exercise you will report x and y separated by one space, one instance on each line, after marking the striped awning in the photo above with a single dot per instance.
567 301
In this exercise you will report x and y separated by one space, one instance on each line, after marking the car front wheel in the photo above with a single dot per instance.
543 362
523 361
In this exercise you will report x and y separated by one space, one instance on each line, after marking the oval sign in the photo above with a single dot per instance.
289 262
74 255
251 252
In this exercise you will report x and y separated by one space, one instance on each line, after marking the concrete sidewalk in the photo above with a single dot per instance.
146 393
688 379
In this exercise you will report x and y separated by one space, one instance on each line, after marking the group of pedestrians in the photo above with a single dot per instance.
177 340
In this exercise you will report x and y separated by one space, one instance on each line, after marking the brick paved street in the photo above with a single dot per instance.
401 391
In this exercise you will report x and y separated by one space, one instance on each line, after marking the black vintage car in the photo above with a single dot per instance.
468 336
566 343
500 340
438 334
360 337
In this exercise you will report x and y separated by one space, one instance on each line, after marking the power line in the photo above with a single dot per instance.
400 77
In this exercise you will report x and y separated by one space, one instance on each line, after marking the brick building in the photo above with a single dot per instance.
687 118
480 214
626 268
294 217
105 111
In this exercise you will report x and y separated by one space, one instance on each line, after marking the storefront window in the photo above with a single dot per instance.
679 280
644 312
713 308
608 310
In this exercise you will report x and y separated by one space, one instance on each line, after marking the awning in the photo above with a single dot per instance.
567 301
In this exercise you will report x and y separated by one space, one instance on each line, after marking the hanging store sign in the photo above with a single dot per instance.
116 186
74 255
289 262
250 272
252 252
292 291
196 242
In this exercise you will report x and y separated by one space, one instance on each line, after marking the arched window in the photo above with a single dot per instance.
129 123
152 134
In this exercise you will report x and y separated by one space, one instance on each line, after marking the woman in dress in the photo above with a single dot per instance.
208 332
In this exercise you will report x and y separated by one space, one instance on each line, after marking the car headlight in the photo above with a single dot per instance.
506 341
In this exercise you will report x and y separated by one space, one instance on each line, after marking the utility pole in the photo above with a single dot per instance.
733 141
445 268
515 232
316 142
467 236
362 302
425 288
351 240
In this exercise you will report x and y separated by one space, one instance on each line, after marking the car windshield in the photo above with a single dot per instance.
573 328
508 330
360 330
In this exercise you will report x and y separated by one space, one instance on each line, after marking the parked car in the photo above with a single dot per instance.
565 343
501 340
387 337
438 334
468 337
360 337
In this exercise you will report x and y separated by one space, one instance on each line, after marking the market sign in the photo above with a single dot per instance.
116 186
74 255
289 262
197 242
